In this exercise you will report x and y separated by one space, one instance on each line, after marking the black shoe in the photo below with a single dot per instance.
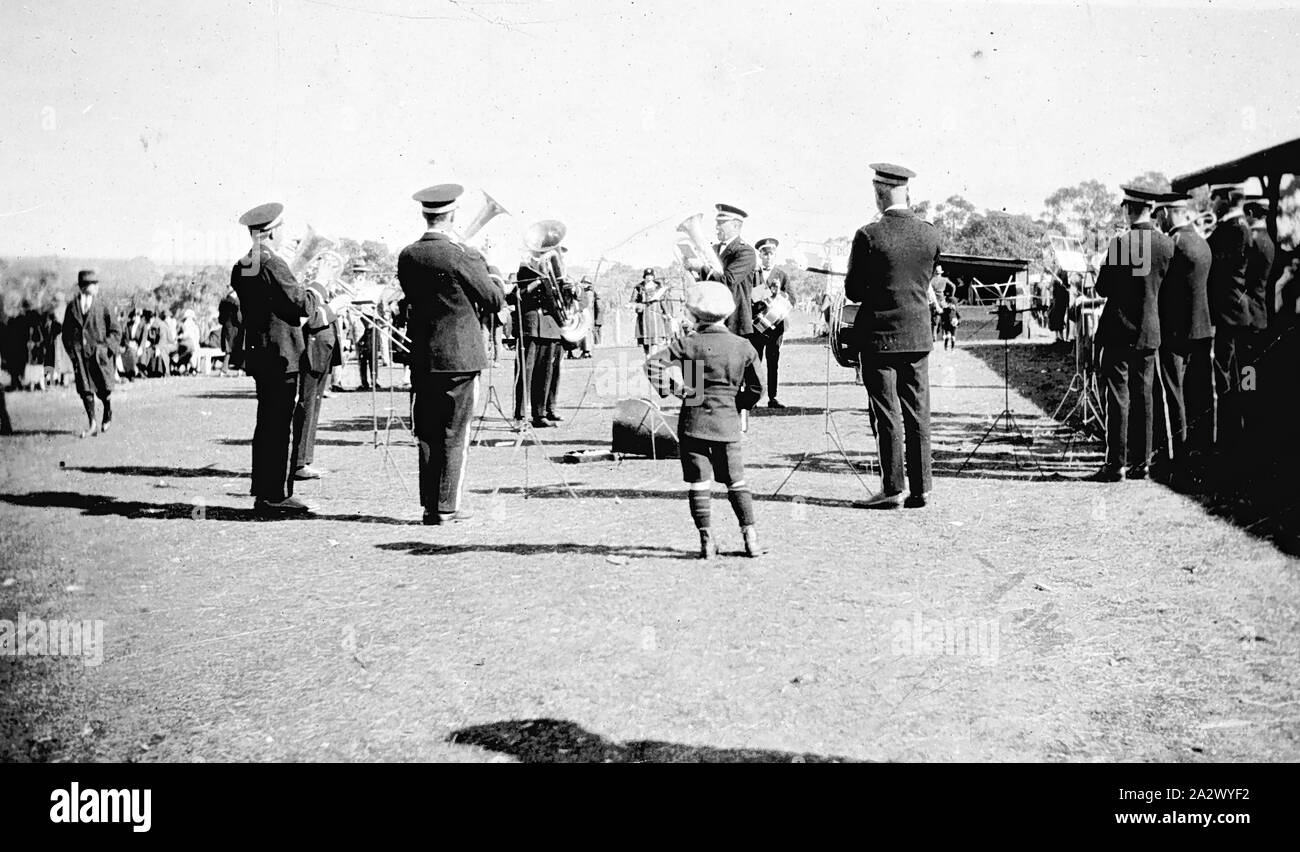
280 508
437 519
772 403
915 501
541 423
1136 471
1108 473
553 417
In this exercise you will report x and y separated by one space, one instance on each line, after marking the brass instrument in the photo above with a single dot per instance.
695 243
1205 222
542 240
490 210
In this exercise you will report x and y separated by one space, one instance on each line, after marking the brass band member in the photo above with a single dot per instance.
1186 338
770 280
447 287
273 305
537 372
91 336
1229 307
890 267
1129 335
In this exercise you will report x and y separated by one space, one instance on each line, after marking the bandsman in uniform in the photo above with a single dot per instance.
1129 334
890 267
273 306
1185 404
448 287
537 372
768 281
91 336
739 262
1260 252
1229 308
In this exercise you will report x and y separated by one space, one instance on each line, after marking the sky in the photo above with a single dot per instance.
148 127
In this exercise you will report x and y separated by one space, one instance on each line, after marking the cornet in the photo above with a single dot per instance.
1205 222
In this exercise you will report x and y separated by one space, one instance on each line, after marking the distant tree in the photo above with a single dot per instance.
997 234
1154 181
951 216
1088 211
922 209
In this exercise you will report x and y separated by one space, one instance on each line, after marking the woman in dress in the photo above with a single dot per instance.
652 326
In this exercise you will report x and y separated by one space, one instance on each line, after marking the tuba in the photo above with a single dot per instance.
694 242
542 240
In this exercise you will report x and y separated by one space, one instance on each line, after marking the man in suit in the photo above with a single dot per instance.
1129 334
1260 251
1184 406
1229 309
228 318
890 266
273 306
448 288
770 280
91 336
739 263
320 346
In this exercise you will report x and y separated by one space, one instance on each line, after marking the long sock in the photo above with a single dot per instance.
742 503
108 409
700 507
89 403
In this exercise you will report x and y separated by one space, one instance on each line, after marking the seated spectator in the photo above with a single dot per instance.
187 342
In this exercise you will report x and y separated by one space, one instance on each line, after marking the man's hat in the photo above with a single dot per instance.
727 212
1140 197
710 301
87 276
767 241
892 175
440 198
262 218
1176 200
1232 190
649 270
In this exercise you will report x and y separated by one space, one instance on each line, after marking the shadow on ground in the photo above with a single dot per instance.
98 505
559 741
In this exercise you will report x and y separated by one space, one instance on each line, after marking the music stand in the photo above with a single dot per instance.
1008 328
527 431
832 433
1084 383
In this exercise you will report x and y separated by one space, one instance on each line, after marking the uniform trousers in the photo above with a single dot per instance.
442 406
898 389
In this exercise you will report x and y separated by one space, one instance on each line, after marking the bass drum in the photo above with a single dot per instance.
844 343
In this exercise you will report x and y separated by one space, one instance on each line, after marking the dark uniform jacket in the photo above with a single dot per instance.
713 362
739 261
272 304
1184 300
890 267
447 288
538 322
1136 262
1259 261
92 342
320 337
1229 303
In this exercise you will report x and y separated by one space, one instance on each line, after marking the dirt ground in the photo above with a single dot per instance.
1023 615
